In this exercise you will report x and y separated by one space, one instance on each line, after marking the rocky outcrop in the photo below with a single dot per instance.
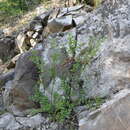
32 34
26 75
114 115
47 23
107 74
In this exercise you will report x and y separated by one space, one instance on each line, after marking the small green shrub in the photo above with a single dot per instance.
61 108
94 103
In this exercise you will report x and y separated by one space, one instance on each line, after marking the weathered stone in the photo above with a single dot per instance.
43 18
80 19
37 122
31 122
8 122
109 73
47 57
12 62
36 25
6 77
26 75
5 94
35 35
60 24
20 42
58 3
71 9
33 42
30 33
3 69
7 48
113 115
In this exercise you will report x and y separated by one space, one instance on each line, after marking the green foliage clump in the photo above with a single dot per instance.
13 7
61 107
94 103
16 8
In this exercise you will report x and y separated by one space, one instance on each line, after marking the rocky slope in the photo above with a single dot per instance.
107 75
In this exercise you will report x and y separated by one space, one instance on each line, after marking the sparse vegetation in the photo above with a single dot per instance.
94 103
94 3
15 8
2 112
60 108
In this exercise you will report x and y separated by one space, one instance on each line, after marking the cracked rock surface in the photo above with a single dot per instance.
107 76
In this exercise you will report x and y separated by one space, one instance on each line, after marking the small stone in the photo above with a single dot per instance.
36 25
30 33
60 24
33 42
35 35
20 41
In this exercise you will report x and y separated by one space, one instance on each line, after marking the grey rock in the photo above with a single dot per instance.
26 75
33 42
30 33
43 18
109 73
35 35
60 24
7 48
11 64
71 9
37 122
58 3
7 122
6 77
36 25
111 20
114 114
5 94
79 19
32 122
21 42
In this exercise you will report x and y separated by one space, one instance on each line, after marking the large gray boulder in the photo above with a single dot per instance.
10 122
17 99
109 73
113 115
60 24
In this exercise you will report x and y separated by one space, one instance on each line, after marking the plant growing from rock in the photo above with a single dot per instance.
61 107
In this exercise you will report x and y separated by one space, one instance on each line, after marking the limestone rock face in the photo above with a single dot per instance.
109 73
114 115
